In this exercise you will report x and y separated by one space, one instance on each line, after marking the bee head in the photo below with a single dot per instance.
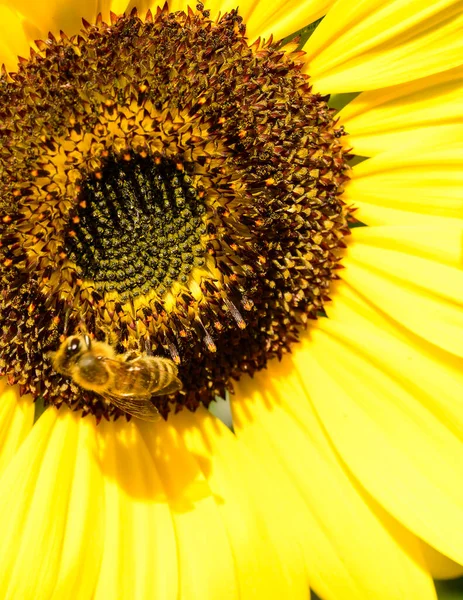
77 345
68 353
73 347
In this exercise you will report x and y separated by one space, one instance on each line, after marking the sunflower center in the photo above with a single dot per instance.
137 227
170 188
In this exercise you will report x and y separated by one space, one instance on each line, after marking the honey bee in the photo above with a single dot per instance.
128 382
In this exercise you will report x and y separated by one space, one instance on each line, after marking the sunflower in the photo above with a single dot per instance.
282 224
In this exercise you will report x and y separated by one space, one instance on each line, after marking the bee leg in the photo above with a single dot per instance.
66 321
147 345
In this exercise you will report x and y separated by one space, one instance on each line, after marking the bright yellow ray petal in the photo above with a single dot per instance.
432 276
120 6
396 448
383 214
82 541
410 187
140 556
13 39
439 565
422 369
224 547
390 186
285 15
35 498
400 116
205 561
284 18
16 419
372 44
441 243
422 295
40 18
347 538
254 516
426 314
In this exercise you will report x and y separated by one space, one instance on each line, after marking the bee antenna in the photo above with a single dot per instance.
88 341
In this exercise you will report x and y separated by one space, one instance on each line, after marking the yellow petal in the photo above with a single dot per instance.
422 295
39 18
204 556
439 565
441 243
399 451
286 17
37 492
118 7
409 187
403 115
13 38
373 44
140 555
83 535
253 514
16 419
422 369
131 510
223 548
126 515
348 540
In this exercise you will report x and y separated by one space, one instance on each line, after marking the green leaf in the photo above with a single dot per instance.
450 590
446 590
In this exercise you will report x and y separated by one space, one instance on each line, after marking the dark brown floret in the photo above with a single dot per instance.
169 187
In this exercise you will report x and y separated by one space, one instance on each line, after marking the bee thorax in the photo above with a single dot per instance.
92 372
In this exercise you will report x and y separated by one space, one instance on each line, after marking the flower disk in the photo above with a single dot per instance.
169 188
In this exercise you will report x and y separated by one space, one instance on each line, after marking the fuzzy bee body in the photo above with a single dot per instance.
126 381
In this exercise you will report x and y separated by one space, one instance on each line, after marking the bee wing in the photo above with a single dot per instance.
140 407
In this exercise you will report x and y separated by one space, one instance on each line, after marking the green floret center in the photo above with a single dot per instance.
137 227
